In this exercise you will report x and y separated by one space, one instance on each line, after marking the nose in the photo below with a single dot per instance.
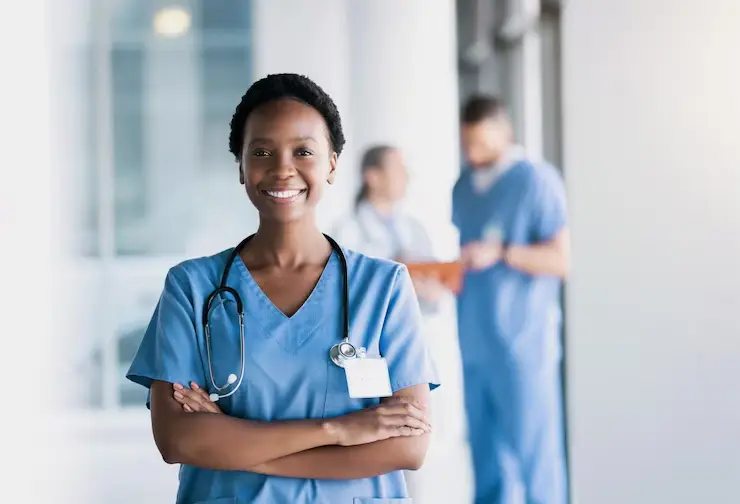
284 166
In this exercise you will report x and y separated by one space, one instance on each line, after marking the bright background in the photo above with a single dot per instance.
115 166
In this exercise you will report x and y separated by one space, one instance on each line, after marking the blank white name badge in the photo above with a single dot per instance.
368 378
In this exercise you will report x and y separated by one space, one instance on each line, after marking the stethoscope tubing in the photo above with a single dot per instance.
338 353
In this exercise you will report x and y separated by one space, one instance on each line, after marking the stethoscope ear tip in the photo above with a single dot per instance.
213 397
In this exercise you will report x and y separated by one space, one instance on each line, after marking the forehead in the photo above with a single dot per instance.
283 119
393 157
481 128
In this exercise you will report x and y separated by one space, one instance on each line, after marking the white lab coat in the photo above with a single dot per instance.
363 232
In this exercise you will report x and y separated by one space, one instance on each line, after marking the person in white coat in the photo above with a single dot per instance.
380 227
377 226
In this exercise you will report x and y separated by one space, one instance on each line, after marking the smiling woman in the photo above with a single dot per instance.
289 429
287 158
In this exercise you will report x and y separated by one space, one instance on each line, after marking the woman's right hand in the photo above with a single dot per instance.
395 417
194 399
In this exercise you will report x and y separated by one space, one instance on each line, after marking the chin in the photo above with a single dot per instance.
284 215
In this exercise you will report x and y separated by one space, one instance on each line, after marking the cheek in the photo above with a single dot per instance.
316 185
398 182
250 183
255 172
315 175
495 143
475 152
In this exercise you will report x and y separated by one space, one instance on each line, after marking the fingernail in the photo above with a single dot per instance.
178 395
194 385
177 386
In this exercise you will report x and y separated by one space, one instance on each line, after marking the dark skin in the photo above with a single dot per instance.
331 462
288 253
286 162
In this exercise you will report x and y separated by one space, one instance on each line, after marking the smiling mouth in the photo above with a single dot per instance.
284 196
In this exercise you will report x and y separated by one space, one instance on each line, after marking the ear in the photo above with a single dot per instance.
241 173
332 168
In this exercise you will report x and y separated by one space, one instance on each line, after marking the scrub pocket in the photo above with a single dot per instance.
372 500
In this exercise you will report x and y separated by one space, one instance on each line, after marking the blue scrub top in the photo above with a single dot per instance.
506 316
288 374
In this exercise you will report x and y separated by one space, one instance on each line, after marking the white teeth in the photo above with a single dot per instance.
283 194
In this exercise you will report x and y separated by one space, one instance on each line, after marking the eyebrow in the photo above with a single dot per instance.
294 139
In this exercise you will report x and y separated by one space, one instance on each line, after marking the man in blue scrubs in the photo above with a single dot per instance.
511 214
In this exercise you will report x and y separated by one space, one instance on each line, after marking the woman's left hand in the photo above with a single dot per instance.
194 399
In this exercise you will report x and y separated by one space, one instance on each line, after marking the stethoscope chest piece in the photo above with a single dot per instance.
342 352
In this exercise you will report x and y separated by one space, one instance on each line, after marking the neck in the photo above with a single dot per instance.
383 206
289 244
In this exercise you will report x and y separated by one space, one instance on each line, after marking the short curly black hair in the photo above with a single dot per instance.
480 107
285 85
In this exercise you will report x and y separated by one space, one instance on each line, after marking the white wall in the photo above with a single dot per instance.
25 203
403 76
652 114
388 75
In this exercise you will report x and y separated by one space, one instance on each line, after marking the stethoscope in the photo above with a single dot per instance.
339 353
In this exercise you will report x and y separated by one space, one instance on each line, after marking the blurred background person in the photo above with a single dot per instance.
511 215
380 226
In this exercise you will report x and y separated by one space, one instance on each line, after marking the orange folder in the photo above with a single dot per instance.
449 273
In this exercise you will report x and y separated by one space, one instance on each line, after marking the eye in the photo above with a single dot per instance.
260 153
303 152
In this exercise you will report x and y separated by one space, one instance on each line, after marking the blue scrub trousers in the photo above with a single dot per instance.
515 428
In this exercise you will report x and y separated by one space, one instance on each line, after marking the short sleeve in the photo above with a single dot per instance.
550 214
402 342
169 351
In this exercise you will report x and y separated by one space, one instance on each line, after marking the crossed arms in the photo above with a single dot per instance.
367 443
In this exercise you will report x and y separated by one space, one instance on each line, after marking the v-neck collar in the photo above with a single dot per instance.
291 331
497 182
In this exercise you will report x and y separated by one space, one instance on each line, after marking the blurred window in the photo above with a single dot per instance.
173 74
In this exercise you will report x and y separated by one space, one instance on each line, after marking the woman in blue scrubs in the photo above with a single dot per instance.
291 432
